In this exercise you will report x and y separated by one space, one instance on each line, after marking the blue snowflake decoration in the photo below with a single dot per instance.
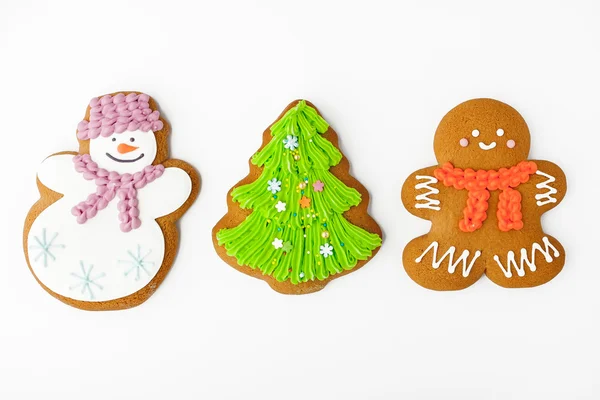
274 185
45 247
291 142
86 282
137 262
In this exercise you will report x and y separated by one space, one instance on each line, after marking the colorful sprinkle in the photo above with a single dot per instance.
318 186
274 185
304 202
280 206
291 142
326 250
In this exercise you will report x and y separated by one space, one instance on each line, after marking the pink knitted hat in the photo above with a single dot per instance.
117 114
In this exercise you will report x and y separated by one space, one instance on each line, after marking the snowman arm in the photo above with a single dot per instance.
166 194
57 173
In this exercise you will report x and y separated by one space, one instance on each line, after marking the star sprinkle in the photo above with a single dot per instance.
287 246
318 186
280 206
304 202
277 243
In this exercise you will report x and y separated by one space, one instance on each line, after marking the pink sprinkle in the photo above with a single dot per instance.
510 144
463 142
318 186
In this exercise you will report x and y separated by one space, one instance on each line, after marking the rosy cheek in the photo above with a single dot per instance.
510 144
463 142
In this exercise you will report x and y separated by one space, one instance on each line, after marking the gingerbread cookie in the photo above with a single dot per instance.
485 201
103 235
298 220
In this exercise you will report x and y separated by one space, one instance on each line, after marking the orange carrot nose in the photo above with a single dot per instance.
125 148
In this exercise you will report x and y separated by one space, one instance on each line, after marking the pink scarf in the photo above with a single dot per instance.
110 184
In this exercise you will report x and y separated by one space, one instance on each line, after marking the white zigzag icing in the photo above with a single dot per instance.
530 262
547 196
451 263
427 202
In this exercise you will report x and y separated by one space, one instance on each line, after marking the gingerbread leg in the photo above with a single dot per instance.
530 265
440 267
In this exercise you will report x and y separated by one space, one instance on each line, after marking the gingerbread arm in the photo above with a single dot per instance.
420 193
550 184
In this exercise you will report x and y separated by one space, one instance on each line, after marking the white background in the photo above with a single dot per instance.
383 74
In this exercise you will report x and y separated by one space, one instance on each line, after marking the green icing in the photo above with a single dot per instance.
299 229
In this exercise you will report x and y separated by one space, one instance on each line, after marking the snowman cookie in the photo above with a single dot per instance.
103 234
485 200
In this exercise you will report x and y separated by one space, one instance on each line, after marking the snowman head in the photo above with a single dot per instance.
128 152
120 132
482 134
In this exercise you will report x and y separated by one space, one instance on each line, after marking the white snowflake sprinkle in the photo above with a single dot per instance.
277 243
291 142
280 206
274 185
326 250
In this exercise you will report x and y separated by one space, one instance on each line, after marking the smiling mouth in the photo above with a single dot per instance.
484 146
126 161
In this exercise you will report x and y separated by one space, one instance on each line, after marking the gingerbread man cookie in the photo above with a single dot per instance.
103 234
485 200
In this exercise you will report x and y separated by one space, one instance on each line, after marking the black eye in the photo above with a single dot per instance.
132 139
114 139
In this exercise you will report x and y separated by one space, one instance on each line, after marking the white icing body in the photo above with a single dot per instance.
423 200
549 190
96 261
530 262
466 268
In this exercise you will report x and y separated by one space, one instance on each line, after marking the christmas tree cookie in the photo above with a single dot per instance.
298 220
485 200
102 236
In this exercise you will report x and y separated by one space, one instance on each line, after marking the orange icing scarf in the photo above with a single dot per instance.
479 183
